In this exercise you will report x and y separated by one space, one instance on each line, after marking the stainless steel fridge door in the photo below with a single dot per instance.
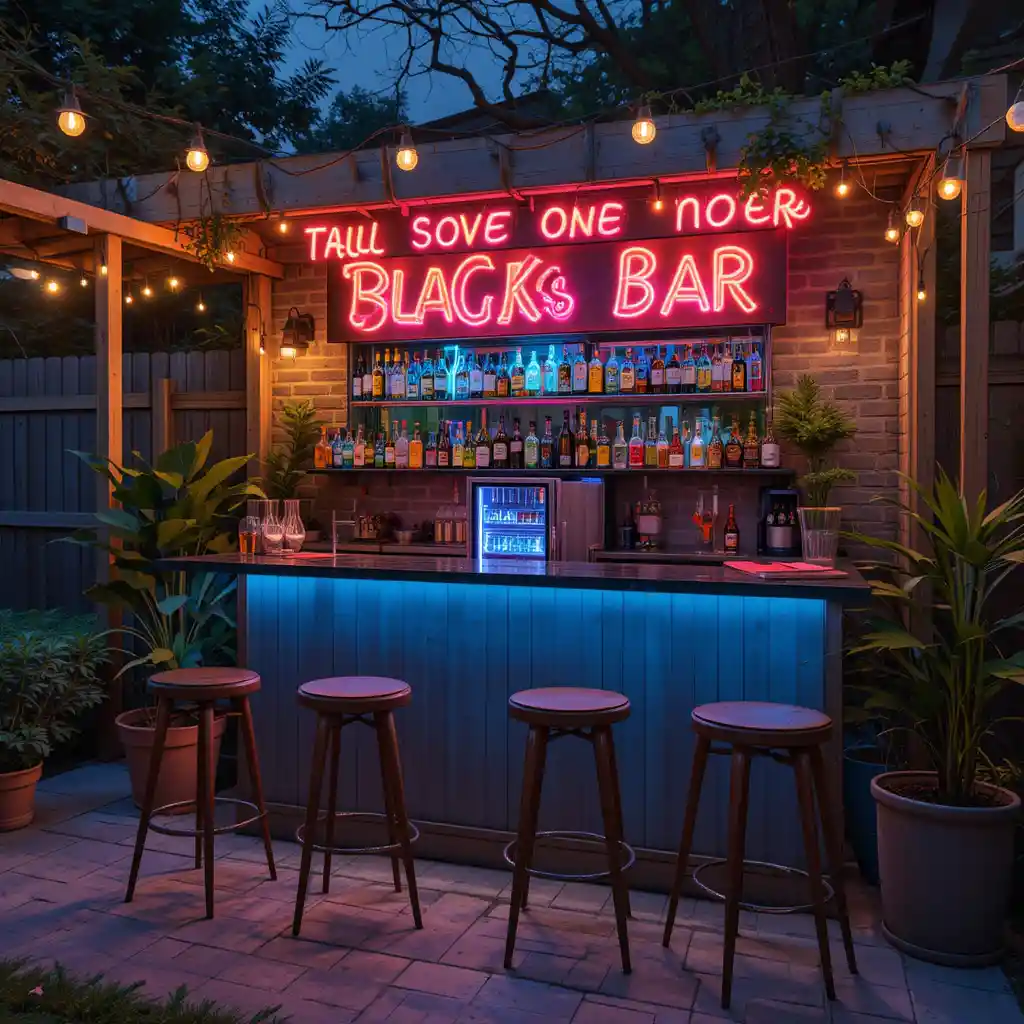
579 522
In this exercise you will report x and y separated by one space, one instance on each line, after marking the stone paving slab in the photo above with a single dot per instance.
359 958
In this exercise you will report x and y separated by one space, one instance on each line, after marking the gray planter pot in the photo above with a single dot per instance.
945 871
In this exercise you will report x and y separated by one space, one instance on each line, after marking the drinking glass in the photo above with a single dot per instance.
248 531
273 530
294 531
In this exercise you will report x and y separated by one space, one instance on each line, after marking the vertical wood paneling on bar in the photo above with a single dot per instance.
495 683
288 660
261 654
590 673
435 702
467 728
378 631
317 622
522 627
347 612
648 718
708 688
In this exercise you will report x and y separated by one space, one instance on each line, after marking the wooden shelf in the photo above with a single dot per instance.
490 471
704 397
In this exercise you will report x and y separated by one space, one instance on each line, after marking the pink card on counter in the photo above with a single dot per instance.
791 569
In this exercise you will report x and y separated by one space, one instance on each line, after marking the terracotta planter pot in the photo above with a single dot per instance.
179 767
945 871
18 797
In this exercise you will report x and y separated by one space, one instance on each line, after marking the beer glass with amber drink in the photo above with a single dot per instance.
248 531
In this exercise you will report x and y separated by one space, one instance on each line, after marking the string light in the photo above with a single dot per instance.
230 255
200 305
128 299
915 215
146 290
283 226
921 293
1015 115
658 204
103 270
406 158
197 157
70 118
34 274
83 281
892 233
52 286
842 186
951 182
644 128
173 283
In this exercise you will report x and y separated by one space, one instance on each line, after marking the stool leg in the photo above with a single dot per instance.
529 805
385 723
805 797
834 847
739 790
207 777
618 804
608 785
200 805
316 777
163 717
700 762
253 760
389 809
333 759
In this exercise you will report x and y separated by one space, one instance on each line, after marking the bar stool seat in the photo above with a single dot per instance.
346 700
203 687
791 735
567 707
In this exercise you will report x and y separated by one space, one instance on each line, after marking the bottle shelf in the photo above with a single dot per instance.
595 471
707 397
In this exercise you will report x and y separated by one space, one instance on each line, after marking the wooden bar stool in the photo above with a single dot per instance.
794 736
341 701
202 688
552 713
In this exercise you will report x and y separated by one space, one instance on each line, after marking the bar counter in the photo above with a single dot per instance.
466 635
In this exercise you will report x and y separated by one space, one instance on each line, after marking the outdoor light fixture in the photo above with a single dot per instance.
952 180
52 286
173 283
70 118
147 291
844 315
103 270
644 129
230 255
842 185
298 334
283 226
197 158
657 203
34 274
1015 115
200 305
922 294
915 215
83 281
407 158
892 233
128 299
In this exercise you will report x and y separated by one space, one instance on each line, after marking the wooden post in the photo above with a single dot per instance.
257 300
975 253
162 416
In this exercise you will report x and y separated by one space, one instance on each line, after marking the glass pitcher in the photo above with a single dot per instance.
272 529
294 531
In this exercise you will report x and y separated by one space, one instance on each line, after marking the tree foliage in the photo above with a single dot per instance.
351 118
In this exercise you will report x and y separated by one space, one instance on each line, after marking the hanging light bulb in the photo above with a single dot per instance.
52 287
922 294
843 188
1015 115
657 203
951 181
147 291
34 274
283 226
892 233
83 281
200 305
70 118
103 270
644 128
915 215
173 283
197 158
407 158
128 299
230 255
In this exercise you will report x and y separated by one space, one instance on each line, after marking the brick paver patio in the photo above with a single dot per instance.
359 959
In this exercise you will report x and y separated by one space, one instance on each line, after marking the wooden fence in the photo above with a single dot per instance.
48 408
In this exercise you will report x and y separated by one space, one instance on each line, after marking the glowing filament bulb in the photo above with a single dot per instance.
644 128
951 182
147 291
921 293
128 300
200 305
197 157
1015 116
83 281
70 119
892 233
915 215
407 158
52 287
230 255
173 283
282 226
103 270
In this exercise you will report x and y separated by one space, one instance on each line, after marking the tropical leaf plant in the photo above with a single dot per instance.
177 506
286 466
939 675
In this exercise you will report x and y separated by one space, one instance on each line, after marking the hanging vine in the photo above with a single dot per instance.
212 236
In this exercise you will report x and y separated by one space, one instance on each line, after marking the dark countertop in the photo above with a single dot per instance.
713 579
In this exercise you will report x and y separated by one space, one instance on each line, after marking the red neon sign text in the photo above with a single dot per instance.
450 231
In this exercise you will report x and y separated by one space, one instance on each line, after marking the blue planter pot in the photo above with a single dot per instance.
861 764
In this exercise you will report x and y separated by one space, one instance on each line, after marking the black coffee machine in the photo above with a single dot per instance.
778 526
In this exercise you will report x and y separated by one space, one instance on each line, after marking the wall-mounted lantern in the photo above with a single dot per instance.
298 334
844 315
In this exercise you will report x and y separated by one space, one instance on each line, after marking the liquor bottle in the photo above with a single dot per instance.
770 455
515 447
636 445
565 443
716 368
732 533
399 377
462 381
359 453
582 443
549 373
499 450
547 446
611 374
627 374
592 461
675 451
703 371
595 373
483 443
565 373
412 380
689 371
348 451
502 381
579 373
698 450
490 378
458 448
651 445
726 348
321 453
430 452
390 445
533 376
367 388
662 449
751 444
427 378
440 377
387 374
715 446
658 372
444 447
755 368
337 459
369 452
469 448
402 448
531 450
518 376
379 452
739 369
604 449
620 452
734 446
684 440
415 447
357 381
673 373
377 388
476 377
643 373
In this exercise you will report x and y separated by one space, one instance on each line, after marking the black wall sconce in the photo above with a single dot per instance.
298 334
844 315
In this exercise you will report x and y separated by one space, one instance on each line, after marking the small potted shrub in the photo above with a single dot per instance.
47 681
945 833
287 465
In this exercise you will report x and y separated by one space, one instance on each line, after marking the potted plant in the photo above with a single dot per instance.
287 465
177 506
945 835
47 681
815 426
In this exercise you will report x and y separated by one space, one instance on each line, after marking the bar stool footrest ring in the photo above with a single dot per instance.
167 830
367 816
559 876
783 869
